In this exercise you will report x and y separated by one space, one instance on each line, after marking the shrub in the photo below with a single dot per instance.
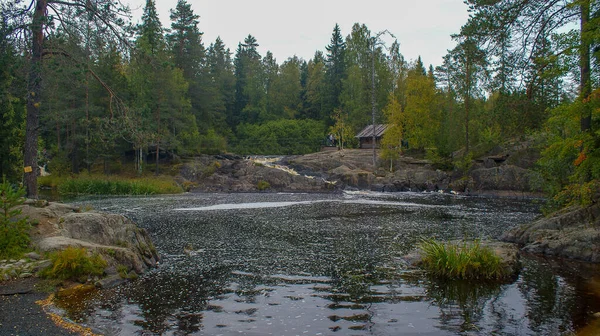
461 261
14 233
263 185
74 264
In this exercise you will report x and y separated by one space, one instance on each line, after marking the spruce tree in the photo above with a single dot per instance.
336 70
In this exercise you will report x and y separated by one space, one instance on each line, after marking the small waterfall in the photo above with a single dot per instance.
274 162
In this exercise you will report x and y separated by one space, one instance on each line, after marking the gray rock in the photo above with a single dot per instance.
33 256
110 282
25 275
505 177
40 265
573 234
111 270
115 237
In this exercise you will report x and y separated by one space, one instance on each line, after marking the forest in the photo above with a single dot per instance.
83 88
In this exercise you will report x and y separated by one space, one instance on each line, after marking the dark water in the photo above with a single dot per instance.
315 264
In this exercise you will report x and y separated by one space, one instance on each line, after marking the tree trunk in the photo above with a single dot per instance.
34 100
467 100
584 64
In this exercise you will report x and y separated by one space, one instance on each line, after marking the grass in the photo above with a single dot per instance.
74 264
466 261
111 185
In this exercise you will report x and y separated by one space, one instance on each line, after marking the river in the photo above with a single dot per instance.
328 264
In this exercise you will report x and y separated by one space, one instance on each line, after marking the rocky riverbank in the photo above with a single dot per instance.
127 249
573 233
231 173
505 171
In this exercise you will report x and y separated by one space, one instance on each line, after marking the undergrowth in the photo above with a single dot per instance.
111 185
461 261
14 232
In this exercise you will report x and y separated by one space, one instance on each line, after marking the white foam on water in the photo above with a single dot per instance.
263 205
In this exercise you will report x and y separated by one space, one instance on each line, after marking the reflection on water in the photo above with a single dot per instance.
329 264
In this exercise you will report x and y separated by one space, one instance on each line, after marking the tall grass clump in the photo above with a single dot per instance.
74 264
461 261
113 185
14 232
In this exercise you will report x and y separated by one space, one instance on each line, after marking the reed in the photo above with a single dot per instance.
466 260
112 185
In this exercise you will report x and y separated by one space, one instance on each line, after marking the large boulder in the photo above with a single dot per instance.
505 177
573 234
119 241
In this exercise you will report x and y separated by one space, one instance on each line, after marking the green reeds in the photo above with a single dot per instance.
466 260
113 185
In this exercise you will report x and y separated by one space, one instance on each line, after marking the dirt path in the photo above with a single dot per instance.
20 315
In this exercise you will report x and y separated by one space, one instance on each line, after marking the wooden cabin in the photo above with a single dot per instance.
365 137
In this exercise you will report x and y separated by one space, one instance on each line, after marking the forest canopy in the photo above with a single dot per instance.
82 86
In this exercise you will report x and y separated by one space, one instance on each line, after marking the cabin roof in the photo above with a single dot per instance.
367 132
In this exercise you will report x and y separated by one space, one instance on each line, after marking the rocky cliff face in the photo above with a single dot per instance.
121 243
573 233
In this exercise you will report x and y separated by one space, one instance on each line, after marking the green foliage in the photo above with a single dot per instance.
394 134
463 164
113 185
570 161
212 143
74 264
280 137
419 120
14 233
263 185
59 164
461 261
12 113
342 130
439 161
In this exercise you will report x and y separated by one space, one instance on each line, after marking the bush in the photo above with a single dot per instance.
14 233
461 261
263 185
74 264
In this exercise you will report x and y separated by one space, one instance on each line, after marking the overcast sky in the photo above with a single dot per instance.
286 28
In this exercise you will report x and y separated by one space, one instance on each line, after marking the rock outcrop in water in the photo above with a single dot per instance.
228 173
503 171
506 172
573 233
508 254
121 243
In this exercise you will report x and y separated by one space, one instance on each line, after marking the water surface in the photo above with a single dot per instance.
325 264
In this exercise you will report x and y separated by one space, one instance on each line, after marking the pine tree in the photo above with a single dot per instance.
221 87
250 95
316 85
